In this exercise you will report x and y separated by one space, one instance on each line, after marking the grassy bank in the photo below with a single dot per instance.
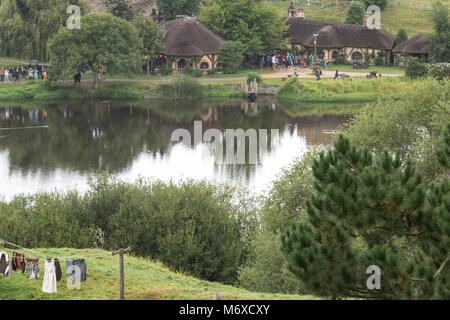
343 90
144 280
166 89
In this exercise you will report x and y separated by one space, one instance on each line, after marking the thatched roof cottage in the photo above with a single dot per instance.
189 39
351 41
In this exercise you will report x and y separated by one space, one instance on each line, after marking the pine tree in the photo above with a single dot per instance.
372 210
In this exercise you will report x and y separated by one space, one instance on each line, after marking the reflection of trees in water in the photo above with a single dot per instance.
88 138
99 136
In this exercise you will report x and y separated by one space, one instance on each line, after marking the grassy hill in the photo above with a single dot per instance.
144 280
392 19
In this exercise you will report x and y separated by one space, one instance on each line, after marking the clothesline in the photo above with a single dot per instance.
45 256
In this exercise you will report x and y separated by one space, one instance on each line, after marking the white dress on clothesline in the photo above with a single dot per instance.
49 284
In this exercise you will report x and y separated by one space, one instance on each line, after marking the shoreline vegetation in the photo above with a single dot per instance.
294 89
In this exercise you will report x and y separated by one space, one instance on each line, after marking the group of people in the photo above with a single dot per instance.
22 73
280 61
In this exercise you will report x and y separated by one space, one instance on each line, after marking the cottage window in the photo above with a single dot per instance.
357 56
204 66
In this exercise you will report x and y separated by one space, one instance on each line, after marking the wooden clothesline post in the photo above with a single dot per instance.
121 252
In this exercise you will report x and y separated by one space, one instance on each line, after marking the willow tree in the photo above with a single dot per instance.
27 25
103 41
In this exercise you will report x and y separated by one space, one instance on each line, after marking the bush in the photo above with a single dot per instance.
231 55
415 68
439 71
401 36
253 76
192 227
292 86
265 269
195 73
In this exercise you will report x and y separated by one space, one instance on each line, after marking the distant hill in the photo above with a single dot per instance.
414 21
144 280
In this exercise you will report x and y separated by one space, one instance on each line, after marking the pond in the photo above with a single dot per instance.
58 146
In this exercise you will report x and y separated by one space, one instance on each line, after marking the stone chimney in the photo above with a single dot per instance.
294 13
366 19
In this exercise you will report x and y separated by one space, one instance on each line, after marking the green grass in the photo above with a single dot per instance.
144 280
380 69
392 19
344 90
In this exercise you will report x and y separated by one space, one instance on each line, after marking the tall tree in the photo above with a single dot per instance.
355 13
372 211
27 25
104 41
120 8
251 22
440 39
172 8
151 35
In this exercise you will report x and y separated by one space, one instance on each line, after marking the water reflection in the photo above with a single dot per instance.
57 146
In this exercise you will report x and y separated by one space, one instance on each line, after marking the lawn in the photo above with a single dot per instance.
144 280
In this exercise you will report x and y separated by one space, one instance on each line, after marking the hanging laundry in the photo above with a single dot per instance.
32 268
4 263
49 283
58 270
81 264
18 262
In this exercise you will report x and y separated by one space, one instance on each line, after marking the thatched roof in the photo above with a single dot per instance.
415 45
332 35
187 37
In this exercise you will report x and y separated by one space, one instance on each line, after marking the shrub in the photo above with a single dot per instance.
439 71
194 227
401 36
251 76
292 86
265 269
231 55
195 73
415 68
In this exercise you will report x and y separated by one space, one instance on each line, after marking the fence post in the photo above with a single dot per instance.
121 252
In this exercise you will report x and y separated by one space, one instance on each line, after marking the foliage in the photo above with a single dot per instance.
151 35
401 36
193 227
250 22
195 73
120 8
415 68
439 71
265 269
412 124
104 41
231 55
252 76
380 3
173 8
181 88
27 25
440 39
355 13
293 85
372 210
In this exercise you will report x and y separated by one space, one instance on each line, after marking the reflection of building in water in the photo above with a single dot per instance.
319 130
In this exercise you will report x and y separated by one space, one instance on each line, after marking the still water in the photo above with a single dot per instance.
57 146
